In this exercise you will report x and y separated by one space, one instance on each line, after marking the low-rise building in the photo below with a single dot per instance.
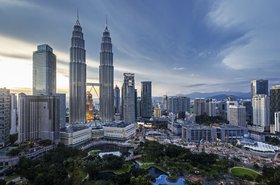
119 130
74 135
229 133
197 133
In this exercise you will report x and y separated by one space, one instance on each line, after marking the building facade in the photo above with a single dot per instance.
62 109
119 131
44 71
128 99
277 122
259 87
261 114
211 106
106 79
77 78
146 99
178 104
274 102
199 106
237 115
38 118
13 129
5 116
117 99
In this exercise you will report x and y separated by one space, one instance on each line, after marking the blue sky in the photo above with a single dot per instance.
182 46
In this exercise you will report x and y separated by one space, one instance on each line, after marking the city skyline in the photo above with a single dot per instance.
198 46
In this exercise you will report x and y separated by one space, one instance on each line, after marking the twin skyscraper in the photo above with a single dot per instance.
78 77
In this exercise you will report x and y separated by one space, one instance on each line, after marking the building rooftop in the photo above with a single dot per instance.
118 124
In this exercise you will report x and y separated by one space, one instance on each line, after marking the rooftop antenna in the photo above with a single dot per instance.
106 21
77 13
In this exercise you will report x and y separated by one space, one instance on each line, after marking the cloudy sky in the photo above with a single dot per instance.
181 46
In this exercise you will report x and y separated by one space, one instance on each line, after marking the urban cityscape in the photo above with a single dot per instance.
133 122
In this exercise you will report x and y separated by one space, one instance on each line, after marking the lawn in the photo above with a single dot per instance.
126 167
245 173
11 177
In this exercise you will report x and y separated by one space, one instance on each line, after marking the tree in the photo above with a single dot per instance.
2 182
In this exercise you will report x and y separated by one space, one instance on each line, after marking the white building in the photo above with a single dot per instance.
119 130
237 115
277 122
260 105
230 103
211 107
74 135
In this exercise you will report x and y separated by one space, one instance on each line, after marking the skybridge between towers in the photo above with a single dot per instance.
92 86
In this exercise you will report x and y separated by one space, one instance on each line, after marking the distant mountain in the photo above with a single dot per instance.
220 95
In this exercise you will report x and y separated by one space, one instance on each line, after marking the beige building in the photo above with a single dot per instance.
119 130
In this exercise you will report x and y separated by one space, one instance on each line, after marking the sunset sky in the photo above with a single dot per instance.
181 46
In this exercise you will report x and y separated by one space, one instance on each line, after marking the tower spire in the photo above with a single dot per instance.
77 21
106 24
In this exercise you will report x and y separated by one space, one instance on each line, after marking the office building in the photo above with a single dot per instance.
199 106
128 99
222 109
5 116
197 133
62 109
146 99
119 130
178 104
44 71
117 99
165 102
138 108
261 114
106 79
75 135
277 122
259 87
274 102
249 110
77 76
13 129
38 118
211 107
230 103
237 115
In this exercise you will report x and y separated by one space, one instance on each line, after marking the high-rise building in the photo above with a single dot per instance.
106 79
211 107
165 102
261 115
222 109
230 103
178 104
117 99
62 109
44 71
135 102
138 110
38 118
128 100
237 115
277 122
89 108
259 87
77 76
199 106
249 110
146 99
5 116
157 111
13 129
274 102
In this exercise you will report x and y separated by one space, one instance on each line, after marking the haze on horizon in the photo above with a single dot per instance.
181 46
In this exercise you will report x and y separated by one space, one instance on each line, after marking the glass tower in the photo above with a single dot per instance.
106 79
44 71
77 76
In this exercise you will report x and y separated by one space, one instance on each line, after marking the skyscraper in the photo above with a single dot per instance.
165 102
13 129
237 115
259 87
44 71
38 118
274 102
117 98
128 99
261 115
211 105
146 99
77 76
178 104
5 116
106 79
199 106
89 107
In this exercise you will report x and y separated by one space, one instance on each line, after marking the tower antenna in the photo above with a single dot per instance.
77 13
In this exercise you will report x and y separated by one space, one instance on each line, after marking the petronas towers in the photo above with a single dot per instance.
78 77
106 79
